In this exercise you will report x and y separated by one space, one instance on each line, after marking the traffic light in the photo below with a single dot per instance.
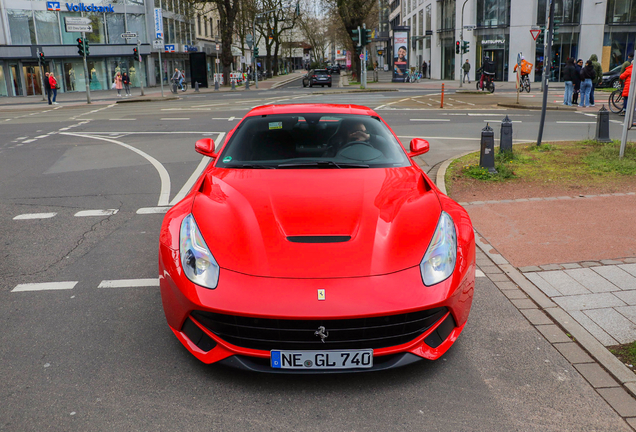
457 47
356 37
366 36
87 48
465 47
41 57
135 53
80 46
255 51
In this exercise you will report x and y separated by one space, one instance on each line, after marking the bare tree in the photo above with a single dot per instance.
315 31
280 18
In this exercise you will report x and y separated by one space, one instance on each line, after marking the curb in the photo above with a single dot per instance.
475 92
148 99
625 377
536 107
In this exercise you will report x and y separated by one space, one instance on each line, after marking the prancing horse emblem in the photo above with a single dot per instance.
322 333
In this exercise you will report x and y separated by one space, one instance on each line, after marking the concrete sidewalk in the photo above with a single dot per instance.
570 269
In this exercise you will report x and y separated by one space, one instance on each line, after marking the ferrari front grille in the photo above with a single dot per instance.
297 334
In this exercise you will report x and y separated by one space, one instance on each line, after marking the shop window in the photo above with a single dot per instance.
136 2
48 27
98 36
21 27
3 83
493 13
565 11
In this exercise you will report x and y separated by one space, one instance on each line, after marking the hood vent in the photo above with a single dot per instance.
318 239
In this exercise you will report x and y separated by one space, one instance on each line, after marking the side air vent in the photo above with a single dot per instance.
318 239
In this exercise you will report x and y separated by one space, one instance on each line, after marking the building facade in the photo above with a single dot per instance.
30 27
500 29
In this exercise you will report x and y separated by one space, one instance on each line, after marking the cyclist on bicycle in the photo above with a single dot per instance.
526 68
487 69
177 76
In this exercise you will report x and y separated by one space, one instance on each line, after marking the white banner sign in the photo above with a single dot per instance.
158 23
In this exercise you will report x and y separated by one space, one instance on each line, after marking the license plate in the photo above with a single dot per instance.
350 359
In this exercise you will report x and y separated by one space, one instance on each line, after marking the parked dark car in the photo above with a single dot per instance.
317 77
611 78
334 69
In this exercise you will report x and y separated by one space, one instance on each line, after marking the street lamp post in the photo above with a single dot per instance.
461 48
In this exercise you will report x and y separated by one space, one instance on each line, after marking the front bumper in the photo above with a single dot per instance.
296 299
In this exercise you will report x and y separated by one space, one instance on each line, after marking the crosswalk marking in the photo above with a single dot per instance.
27 216
45 286
129 283
152 210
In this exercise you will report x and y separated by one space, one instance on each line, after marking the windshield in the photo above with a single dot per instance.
312 141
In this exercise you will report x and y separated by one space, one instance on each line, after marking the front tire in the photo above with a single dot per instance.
477 85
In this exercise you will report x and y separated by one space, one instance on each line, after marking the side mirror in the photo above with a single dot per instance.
418 146
205 146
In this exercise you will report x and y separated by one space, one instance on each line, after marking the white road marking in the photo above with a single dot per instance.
479 273
87 213
123 119
28 216
143 133
28 141
616 121
176 118
377 108
575 122
431 120
45 286
511 121
129 283
232 118
41 136
152 210
164 194
21 138
197 172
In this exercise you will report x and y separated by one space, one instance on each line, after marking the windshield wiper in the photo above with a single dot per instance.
252 166
321 164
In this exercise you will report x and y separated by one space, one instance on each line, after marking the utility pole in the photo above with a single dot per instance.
547 61
141 65
461 49
41 73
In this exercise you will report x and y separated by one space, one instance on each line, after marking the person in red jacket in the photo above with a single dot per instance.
53 83
627 78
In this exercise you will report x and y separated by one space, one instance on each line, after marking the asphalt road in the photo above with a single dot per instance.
84 355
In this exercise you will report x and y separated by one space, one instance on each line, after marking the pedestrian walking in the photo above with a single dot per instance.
424 66
588 75
569 73
627 78
628 62
118 84
54 87
577 81
125 80
47 87
598 69
466 68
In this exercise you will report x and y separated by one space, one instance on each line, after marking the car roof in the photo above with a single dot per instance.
311 108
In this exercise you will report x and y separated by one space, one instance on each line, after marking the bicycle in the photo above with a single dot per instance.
488 82
616 101
524 84
175 87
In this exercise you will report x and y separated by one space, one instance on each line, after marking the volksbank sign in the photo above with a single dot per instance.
81 7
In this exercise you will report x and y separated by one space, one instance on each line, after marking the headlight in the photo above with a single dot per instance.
196 260
439 261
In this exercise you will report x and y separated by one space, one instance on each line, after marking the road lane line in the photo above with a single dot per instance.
28 141
511 121
28 216
123 119
175 118
575 122
377 108
129 283
152 210
45 286
164 194
197 172
88 213
431 120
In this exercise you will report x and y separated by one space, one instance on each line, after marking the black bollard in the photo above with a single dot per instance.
196 86
216 84
247 83
232 81
602 125
487 154
505 137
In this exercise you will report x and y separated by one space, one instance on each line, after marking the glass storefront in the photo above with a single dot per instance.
620 11
448 58
564 44
137 24
32 78
48 28
617 45
3 82
21 27
493 13
128 65
565 12
15 79
116 26
495 46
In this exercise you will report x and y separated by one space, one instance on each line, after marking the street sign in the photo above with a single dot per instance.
129 35
169 48
157 44
79 28
218 47
535 33
158 23
77 21
361 56
217 61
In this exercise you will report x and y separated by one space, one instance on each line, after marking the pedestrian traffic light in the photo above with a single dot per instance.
457 47
135 53
255 51
465 47
367 37
41 57
355 37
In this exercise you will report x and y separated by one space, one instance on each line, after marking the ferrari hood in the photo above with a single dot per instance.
316 223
